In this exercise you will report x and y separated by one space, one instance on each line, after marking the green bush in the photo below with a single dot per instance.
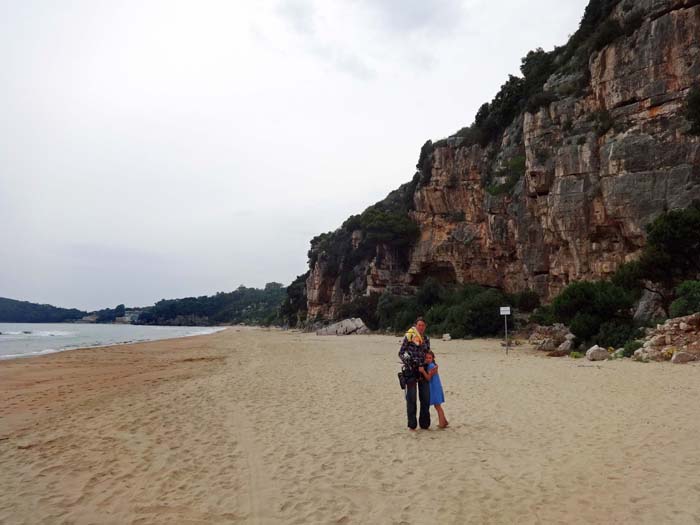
586 306
584 326
672 253
688 299
430 293
600 299
471 135
483 314
537 66
463 311
544 316
396 313
606 34
671 256
364 307
384 226
540 100
576 355
526 301
425 162
616 334
631 347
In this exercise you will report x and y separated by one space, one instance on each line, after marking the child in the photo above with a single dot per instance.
437 396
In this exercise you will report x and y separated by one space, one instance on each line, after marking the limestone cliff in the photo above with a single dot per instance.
561 193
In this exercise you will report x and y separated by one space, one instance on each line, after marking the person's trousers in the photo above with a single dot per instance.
423 388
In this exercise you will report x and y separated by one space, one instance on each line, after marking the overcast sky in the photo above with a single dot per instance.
160 149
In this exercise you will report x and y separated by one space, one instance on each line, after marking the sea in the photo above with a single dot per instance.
32 339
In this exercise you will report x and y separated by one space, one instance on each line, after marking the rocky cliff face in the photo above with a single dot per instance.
565 192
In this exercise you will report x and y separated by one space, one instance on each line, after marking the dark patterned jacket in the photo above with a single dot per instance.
412 353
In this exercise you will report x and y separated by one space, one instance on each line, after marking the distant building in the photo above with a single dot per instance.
131 316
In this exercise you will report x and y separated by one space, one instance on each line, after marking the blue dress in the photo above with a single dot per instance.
437 396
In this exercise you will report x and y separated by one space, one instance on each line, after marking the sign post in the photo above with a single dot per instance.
505 312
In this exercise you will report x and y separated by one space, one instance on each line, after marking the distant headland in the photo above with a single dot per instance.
241 306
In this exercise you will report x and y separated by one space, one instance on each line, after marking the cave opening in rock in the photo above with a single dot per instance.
442 272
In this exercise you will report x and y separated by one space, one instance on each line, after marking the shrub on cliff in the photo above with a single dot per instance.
393 228
688 299
425 162
293 308
608 32
671 256
540 100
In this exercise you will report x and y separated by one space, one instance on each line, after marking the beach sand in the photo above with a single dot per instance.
256 426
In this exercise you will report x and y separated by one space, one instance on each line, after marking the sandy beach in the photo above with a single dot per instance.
256 426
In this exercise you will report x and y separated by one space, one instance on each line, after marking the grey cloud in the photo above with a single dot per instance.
343 61
414 16
299 14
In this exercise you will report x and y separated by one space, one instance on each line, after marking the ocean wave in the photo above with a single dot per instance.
39 333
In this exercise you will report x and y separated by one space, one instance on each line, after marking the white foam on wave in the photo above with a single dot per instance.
205 331
53 333
32 354
39 333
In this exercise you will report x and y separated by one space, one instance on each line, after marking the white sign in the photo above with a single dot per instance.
505 310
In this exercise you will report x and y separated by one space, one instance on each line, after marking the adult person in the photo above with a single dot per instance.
412 354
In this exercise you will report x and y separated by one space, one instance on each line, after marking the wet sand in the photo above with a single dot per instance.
257 426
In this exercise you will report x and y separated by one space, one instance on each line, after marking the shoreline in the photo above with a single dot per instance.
50 351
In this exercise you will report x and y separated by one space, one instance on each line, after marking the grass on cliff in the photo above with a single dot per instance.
513 172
